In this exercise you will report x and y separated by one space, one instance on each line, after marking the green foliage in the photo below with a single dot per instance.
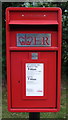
63 6
3 54
65 38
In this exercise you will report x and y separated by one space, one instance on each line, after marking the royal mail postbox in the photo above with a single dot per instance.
33 49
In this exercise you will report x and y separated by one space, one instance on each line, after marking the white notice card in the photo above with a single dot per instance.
34 79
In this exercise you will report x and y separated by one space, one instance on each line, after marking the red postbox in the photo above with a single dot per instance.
33 49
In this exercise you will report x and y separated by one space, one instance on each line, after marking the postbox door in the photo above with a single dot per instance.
39 90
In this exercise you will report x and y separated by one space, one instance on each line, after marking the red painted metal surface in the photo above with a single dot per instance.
28 20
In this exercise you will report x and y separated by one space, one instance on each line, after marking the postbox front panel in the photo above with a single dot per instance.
33 79
33 49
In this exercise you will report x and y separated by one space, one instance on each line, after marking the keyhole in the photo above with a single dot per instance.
19 81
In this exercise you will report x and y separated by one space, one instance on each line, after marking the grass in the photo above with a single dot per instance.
5 112
60 114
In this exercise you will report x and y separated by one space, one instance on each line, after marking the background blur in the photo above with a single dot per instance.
64 7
